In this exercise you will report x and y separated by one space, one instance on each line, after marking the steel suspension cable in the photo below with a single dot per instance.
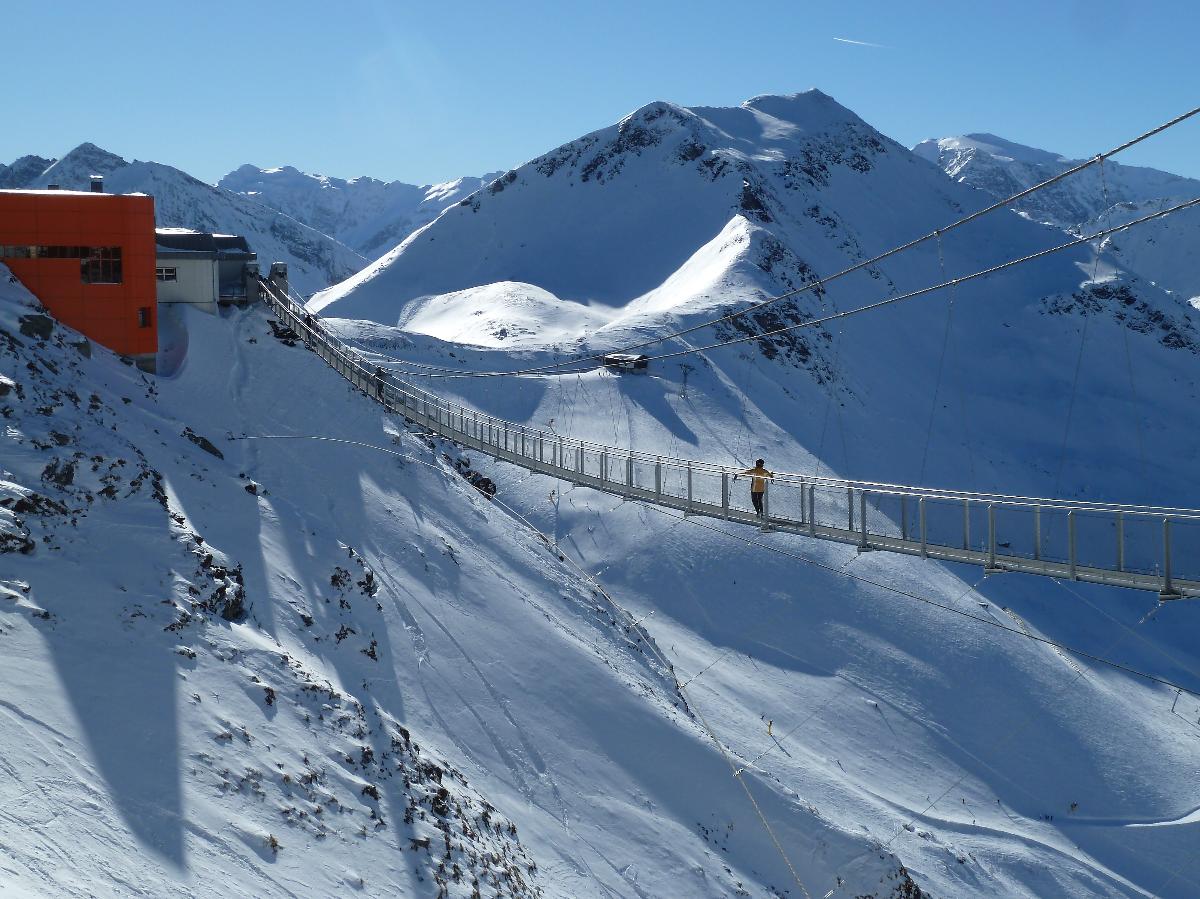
1062 454
871 307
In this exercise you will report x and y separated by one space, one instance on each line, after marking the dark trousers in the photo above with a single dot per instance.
757 499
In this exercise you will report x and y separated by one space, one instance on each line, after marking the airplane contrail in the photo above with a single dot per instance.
846 40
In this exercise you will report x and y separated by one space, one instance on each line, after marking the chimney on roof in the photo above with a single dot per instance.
97 184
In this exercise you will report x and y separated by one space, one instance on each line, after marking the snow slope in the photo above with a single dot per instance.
369 215
1072 376
1089 201
296 667
314 259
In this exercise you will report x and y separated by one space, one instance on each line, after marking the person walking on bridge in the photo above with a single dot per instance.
758 484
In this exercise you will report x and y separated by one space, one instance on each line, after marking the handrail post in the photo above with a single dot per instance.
506 438
1071 542
1120 541
850 508
689 486
991 535
629 472
603 466
1037 533
862 515
579 459
658 478
812 510
904 516
1167 588
803 501
725 494
966 524
921 525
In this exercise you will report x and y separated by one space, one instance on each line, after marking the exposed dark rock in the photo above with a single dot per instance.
37 326
203 442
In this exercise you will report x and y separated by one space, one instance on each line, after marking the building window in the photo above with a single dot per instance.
102 266
45 252
144 317
98 265
166 274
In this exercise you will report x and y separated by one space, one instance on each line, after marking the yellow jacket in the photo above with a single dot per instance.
760 475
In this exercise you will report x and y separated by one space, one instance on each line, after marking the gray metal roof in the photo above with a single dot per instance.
177 243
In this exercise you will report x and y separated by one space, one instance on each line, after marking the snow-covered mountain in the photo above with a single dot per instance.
1089 201
369 215
315 260
1070 376
23 171
293 663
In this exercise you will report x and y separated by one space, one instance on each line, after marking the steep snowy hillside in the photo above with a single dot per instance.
314 259
965 753
295 667
369 215
1085 202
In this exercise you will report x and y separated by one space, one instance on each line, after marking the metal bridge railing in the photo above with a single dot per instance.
1142 547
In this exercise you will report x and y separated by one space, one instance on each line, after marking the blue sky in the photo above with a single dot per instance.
426 92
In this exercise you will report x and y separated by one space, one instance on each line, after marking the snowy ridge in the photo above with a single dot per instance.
369 215
1087 202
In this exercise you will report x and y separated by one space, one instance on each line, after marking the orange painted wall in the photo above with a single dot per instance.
107 313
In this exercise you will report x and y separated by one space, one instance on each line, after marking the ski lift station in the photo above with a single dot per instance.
97 264
204 270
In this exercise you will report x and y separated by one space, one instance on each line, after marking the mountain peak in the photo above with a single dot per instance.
811 109
74 170
997 146
23 171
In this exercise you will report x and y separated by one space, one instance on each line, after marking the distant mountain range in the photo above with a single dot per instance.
326 229
366 214
1089 201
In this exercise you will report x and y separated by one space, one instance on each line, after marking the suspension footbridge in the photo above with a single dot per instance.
1152 548
1140 547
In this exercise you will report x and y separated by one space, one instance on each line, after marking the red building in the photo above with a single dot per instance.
89 258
